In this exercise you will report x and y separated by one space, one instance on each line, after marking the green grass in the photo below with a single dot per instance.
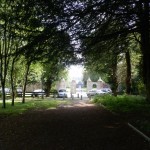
20 108
123 103
128 105
143 124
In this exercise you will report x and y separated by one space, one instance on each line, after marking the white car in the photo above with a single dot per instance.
62 93
107 90
7 90
91 92
100 92
104 91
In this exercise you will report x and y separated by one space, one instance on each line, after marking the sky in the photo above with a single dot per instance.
76 72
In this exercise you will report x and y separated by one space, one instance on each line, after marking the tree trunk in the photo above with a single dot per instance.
2 79
3 94
48 87
12 82
145 45
128 75
25 81
114 75
4 61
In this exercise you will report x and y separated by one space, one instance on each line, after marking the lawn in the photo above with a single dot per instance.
30 103
134 108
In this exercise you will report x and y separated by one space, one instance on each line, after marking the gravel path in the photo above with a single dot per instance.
78 126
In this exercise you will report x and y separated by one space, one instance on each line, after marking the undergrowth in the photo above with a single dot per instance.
123 103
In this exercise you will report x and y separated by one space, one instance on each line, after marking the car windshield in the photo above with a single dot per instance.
62 90
104 90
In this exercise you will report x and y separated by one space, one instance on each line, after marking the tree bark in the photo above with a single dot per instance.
25 81
114 75
3 94
48 87
4 61
145 45
2 77
128 73
12 82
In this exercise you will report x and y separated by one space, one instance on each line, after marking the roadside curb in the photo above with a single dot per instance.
139 132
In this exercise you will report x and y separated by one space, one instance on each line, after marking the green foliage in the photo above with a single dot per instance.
141 88
53 90
142 125
20 108
35 73
129 105
94 76
123 103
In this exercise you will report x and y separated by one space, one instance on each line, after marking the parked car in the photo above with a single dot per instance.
38 92
104 91
19 92
100 92
62 93
91 92
107 90
7 90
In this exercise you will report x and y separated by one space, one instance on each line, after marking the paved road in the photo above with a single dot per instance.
78 126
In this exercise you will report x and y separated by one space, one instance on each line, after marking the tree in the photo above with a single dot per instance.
6 43
52 72
103 57
129 16
35 31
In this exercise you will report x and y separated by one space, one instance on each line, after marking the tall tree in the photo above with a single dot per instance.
39 26
6 43
129 16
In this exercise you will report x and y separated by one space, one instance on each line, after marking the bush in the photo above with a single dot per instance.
123 103
141 88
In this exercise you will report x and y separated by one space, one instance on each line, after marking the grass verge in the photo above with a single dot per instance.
123 103
135 108
20 108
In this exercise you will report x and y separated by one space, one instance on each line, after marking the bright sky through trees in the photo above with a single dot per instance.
76 72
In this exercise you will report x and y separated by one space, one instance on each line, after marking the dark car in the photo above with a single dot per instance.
19 92
38 92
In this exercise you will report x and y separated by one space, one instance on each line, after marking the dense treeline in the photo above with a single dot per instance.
109 28
53 32
30 32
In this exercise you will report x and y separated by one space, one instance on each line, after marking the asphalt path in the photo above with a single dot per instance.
77 126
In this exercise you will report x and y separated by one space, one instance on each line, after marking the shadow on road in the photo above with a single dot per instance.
77 126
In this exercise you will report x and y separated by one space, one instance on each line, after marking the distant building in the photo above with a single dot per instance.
98 85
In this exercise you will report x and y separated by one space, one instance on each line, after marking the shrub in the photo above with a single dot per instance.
141 88
123 103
